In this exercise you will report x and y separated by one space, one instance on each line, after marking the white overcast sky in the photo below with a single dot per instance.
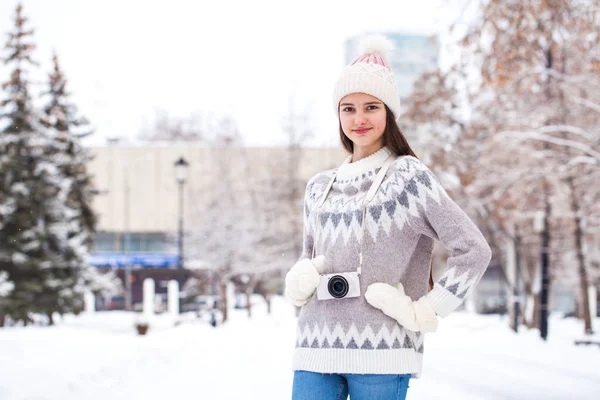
125 59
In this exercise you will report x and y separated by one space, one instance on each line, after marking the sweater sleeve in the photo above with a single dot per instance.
307 236
440 218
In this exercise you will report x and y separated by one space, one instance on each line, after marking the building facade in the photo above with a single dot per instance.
138 205
139 192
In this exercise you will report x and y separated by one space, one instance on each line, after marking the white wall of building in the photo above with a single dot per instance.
140 193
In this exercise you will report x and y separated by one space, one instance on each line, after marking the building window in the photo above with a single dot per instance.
135 242
104 241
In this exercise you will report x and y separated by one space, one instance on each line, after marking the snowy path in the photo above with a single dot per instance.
98 357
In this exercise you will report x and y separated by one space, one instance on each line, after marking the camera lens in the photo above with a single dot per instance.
337 286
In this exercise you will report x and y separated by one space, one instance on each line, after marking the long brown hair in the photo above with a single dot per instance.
393 137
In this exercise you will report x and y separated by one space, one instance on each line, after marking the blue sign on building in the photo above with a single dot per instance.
145 260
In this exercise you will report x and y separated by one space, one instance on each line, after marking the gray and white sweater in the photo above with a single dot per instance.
409 212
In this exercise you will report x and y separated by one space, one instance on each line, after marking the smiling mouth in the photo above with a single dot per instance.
362 131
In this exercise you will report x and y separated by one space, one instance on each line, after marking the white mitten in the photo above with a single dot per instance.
393 302
425 315
302 280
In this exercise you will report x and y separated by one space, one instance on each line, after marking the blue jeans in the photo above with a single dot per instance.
317 386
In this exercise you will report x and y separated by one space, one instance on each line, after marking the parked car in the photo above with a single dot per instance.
200 303
493 305
116 303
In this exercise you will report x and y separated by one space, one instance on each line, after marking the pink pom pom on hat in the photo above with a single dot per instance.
373 58
370 73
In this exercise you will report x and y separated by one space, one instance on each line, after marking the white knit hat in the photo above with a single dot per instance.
371 74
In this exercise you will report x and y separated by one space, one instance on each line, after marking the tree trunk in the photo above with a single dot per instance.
223 300
250 289
50 318
2 320
578 312
531 317
518 309
267 297
583 278
529 307
527 315
534 322
248 304
511 262
268 300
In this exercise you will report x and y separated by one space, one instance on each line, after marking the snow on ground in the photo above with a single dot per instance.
99 357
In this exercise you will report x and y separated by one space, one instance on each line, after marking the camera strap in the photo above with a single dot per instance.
369 196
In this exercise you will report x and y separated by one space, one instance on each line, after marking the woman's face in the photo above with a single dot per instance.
363 117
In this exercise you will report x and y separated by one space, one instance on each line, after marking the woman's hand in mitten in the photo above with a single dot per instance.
392 301
302 280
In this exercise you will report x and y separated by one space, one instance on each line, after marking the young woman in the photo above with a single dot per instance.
363 280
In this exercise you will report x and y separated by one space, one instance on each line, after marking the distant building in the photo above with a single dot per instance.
413 55
137 205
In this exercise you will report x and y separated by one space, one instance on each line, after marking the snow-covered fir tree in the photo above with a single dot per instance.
67 129
15 140
61 113
38 249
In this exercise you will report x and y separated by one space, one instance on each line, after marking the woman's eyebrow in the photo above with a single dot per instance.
366 104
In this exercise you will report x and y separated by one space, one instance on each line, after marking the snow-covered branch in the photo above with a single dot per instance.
6 286
583 79
586 103
550 139
578 160
105 284
565 128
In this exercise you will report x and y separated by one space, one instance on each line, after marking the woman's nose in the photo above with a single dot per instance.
359 118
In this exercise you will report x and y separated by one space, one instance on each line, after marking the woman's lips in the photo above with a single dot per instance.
361 131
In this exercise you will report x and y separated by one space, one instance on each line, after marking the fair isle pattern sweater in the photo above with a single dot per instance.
409 212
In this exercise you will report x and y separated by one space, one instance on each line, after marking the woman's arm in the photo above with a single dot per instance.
440 218
307 236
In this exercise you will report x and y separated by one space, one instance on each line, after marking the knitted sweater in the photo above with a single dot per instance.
409 212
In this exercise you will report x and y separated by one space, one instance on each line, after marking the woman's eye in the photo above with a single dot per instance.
372 107
347 109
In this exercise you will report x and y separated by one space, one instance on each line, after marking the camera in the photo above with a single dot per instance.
338 286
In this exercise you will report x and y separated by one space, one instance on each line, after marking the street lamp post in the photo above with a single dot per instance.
541 226
181 168
127 244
